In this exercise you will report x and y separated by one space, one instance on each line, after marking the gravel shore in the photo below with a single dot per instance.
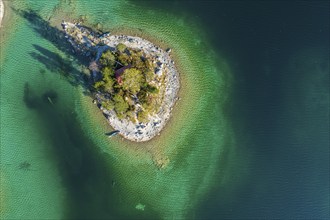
165 65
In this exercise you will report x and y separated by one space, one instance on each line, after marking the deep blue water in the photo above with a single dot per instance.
279 52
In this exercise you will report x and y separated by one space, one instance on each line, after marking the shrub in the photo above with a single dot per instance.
142 116
121 47
131 116
149 75
152 89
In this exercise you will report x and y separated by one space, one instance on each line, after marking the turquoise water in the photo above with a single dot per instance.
75 171
39 186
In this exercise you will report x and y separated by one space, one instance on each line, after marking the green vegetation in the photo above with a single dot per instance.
133 80
108 59
128 84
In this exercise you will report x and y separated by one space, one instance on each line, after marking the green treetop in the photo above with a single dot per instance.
107 58
132 80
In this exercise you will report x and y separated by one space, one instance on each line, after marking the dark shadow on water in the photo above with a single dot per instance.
83 168
59 65
30 103
85 171
63 65
52 34
50 96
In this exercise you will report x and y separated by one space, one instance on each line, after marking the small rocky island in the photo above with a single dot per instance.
134 82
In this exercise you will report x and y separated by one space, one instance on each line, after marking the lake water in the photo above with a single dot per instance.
249 138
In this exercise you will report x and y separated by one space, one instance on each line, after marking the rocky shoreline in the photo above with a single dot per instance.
92 45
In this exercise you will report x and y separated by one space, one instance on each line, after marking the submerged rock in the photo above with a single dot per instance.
140 207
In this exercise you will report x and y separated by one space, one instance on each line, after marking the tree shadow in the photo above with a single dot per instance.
57 64
54 35
53 61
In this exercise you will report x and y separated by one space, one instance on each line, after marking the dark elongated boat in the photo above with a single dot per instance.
112 133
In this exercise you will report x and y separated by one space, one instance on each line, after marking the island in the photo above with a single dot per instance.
134 82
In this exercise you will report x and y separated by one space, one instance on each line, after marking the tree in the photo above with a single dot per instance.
108 104
99 85
132 80
120 105
107 71
108 58
124 59
108 84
